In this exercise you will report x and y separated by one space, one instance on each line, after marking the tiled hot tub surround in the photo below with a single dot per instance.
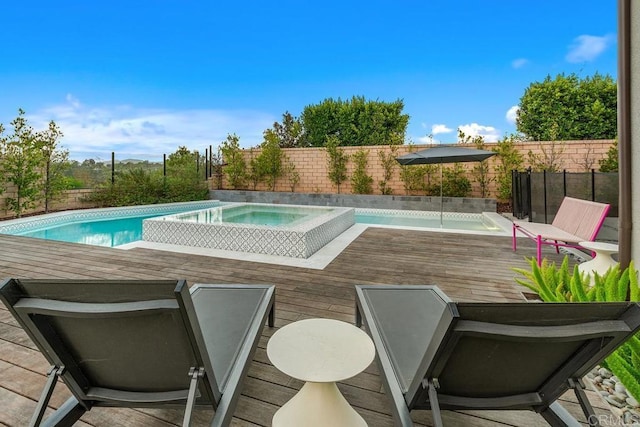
298 241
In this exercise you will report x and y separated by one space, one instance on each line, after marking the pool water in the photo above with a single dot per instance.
254 215
126 229
112 232
423 222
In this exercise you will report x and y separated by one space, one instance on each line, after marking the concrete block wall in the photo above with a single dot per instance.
311 165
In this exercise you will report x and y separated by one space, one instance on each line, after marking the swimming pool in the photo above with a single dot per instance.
121 226
100 227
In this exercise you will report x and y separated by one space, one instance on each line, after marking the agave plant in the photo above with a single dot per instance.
556 284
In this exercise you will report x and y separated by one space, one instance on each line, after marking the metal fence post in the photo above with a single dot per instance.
544 185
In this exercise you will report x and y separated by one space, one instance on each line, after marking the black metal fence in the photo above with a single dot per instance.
537 195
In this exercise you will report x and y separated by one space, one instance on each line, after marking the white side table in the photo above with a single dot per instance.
602 260
320 352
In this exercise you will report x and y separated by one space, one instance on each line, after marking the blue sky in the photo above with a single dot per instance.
143 77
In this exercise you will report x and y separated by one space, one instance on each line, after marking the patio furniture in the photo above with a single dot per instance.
437 354
320 352
602 260
576 221
135 343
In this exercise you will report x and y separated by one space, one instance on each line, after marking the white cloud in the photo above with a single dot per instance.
428 139
437 129
94 132
489 133
512 114
587 48
519 63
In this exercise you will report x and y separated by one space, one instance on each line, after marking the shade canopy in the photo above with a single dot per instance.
444 154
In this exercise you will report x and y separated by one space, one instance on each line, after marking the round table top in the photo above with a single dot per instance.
600 246
320 350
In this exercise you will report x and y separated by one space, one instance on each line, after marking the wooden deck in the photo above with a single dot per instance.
466 267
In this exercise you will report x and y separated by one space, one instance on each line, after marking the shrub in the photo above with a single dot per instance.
361 182
555 284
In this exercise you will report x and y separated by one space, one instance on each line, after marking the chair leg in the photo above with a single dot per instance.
557 416
195 374
358 317
539 249
52 380
513 238
272 315
578 387
66 415
557 247
435 406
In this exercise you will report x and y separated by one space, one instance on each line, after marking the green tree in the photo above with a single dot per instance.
271 159
413 178
290 133
236 167
610 163
508 158
388 162
336 162
183 181
361 182
2 183
454 182
20 166
291 173
356 122
255 172
480 170
56 162
569 108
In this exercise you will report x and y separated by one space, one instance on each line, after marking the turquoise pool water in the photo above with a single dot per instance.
254 215
113 232
472 224
121 230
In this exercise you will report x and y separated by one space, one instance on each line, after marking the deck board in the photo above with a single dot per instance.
465 267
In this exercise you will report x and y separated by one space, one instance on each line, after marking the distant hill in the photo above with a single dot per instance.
134 161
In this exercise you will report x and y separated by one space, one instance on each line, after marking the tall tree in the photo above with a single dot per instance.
270 160
568 108
236 167
336 162
20 165
55 163
290 133
355 122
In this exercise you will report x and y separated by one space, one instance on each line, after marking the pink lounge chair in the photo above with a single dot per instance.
576 221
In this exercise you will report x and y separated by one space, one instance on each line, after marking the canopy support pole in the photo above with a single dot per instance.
441 202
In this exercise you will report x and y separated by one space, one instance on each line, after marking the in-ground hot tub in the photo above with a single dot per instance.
285 230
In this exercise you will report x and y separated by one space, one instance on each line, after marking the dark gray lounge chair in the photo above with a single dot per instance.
436 354
140 343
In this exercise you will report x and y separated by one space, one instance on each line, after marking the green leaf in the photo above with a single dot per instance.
577 287
634 290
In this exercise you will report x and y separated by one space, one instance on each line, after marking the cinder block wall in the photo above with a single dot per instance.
311 165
